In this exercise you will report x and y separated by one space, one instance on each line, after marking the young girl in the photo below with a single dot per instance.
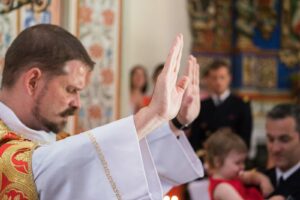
138 88
226 154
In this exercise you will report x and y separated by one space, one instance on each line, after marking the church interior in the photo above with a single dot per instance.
258 39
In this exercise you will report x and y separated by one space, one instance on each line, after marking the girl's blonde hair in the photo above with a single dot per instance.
220 143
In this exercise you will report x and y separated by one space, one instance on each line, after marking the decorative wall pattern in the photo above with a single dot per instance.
263 43
211 24
25 16
259 72
99 29
290 28
8 31
30 18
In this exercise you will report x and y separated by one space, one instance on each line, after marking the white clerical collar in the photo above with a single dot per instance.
14 123
217 99
288 173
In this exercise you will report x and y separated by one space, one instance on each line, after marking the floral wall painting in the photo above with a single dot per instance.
266 17
210 24
8 31
48 12
290 28
99 30
259 72
245 24
18 15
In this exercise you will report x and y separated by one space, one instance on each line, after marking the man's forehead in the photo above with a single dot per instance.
222 70
279 127
75 66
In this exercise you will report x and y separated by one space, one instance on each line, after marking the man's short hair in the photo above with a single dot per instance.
282 111
45 46
216 64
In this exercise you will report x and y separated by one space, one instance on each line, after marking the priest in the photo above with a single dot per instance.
138 157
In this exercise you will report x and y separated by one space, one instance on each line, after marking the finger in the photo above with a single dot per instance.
182 84
188 67
172 55
197 78
193 75
173 63
178 58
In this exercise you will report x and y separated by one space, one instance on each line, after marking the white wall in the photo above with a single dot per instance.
149 28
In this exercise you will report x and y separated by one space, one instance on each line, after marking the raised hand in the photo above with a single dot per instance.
167 95
190 106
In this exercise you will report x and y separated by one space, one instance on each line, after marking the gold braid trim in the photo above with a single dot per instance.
105 165
16 180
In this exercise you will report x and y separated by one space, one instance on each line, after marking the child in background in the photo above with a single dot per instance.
226 153
138 88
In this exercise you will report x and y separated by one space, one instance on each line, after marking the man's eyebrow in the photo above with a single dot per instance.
285 136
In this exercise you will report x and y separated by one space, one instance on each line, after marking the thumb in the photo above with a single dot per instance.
242 175
182 84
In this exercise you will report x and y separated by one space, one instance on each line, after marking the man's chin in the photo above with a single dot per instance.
56 127
281 164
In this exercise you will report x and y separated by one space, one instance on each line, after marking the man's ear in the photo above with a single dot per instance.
32 79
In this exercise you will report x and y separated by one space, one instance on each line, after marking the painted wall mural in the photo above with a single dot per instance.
99 30
211 24
18 15
263 39
8 31
290 27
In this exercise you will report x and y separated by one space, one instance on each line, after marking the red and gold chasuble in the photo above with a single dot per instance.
16 177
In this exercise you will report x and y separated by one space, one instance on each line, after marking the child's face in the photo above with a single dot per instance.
233 164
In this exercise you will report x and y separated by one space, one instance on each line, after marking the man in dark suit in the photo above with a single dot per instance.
222 109
283 143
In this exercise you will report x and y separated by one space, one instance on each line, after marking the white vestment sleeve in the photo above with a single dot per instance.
70 169
175 159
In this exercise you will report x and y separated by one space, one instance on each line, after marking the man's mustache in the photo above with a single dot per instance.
68 112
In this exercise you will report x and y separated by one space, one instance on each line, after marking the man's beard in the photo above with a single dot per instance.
49 125
52 126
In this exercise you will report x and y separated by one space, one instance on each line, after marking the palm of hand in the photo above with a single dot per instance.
190 107
167 103
168 93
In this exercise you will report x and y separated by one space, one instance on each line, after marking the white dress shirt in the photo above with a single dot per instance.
218 99
70 169
285 175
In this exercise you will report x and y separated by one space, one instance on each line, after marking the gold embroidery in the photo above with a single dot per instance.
3 129
20 184
23 157
105 165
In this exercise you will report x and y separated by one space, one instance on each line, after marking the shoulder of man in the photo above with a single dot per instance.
241 99
16 178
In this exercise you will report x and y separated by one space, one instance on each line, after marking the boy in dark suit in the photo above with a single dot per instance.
222 109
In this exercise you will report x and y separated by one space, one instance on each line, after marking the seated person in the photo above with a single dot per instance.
225 154
283 143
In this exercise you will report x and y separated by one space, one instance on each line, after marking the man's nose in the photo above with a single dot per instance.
76 101
276 147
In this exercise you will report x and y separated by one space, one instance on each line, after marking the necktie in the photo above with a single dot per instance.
218 101
280 182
